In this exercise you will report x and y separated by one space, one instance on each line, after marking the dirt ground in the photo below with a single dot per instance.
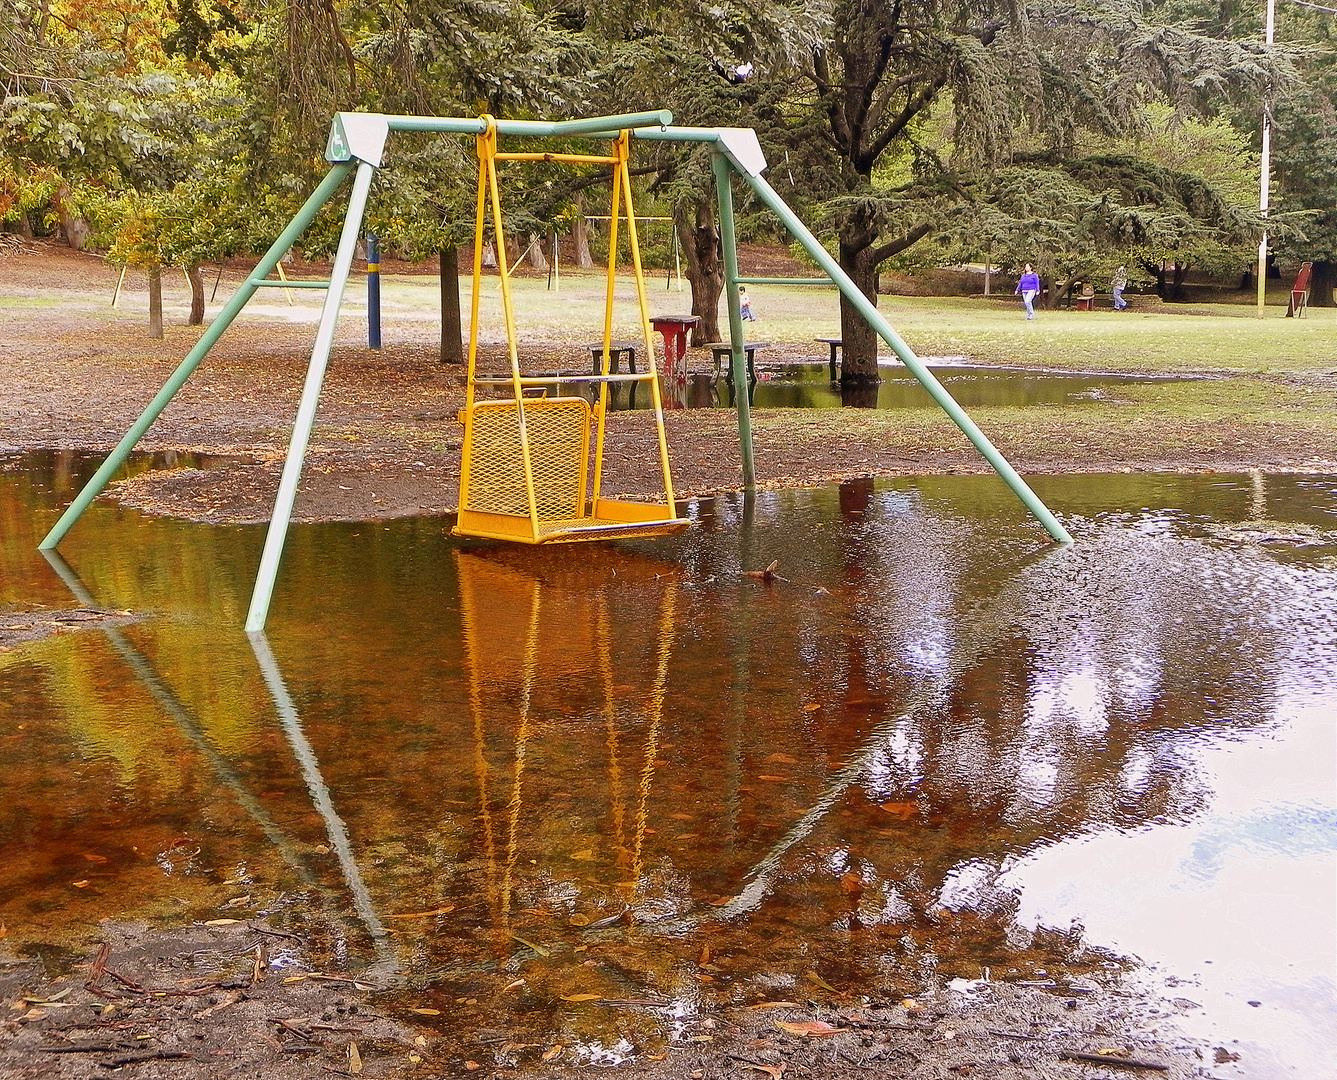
76 375
254 999
239 998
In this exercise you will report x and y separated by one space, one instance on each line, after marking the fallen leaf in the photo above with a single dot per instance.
90 857
851 883
419 1041
83 883
552 1052
723 900
771 777
813 977
295 979
425 914
579 920
4 931
812 1028
812 706
221 922
704 958
415 1058
428 1012
537 948
584 856
513 985
902 810
472 1066
354 1058
911 1005
582 997
774 1071
33 1014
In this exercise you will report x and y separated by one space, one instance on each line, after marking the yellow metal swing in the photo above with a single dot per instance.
529 470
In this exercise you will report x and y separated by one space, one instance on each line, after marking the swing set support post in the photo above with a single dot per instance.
744 153
737 360
116 458
306 409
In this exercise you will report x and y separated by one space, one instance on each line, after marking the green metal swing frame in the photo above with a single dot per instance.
356 146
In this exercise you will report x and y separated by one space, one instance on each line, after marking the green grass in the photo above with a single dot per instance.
1198 338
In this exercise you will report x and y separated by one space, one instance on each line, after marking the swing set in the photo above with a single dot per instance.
531 468
525 466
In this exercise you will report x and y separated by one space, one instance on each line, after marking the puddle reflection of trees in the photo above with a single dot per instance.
773 779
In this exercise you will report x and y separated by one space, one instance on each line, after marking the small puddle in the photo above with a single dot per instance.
935 746
809 386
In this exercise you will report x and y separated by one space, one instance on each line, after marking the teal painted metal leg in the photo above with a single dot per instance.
908 358
737 362
306 410
116 458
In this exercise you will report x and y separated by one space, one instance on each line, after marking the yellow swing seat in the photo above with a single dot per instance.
498 504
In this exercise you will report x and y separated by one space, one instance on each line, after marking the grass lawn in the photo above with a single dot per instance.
1150 337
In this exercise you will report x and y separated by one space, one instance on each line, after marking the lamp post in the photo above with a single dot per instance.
1266 169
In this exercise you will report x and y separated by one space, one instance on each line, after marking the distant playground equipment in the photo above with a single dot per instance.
1299 304
501 431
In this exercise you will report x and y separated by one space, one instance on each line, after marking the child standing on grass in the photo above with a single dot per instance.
745 305
1029 287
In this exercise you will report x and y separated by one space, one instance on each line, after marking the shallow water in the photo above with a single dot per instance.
809 386
937 747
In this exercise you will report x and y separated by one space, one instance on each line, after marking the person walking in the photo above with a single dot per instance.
1118 283
1029 287
745 305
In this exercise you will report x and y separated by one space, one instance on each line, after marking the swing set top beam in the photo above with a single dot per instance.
362 135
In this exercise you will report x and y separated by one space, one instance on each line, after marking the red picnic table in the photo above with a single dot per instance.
674 328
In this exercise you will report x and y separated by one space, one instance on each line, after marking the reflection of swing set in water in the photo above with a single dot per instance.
533 634
525 468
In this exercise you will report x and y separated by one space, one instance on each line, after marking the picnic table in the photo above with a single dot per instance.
720 349
616 350
674 328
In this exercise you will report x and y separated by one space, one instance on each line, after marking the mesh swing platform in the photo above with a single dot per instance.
531 467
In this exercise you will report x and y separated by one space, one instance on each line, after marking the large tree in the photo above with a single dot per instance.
1014 76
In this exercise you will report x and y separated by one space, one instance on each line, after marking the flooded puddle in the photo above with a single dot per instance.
809 386
934 747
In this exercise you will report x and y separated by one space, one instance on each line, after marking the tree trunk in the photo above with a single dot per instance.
537 259
196 280
1322 280
858 362
74 229
1177 285
705 266
452 347
155 301
580 235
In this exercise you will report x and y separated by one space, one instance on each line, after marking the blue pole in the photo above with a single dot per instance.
373 292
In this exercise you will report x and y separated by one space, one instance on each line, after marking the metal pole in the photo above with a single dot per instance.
306 410
373 292
1265 172
926 378
737 360
117 457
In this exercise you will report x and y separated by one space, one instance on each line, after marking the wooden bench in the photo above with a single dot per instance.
616 350
721 350
1085 300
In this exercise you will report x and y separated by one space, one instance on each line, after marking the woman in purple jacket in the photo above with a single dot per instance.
1029 287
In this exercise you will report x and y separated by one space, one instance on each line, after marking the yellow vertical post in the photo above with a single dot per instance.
488 151
645 329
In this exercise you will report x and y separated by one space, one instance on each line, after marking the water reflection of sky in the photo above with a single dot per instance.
936 739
